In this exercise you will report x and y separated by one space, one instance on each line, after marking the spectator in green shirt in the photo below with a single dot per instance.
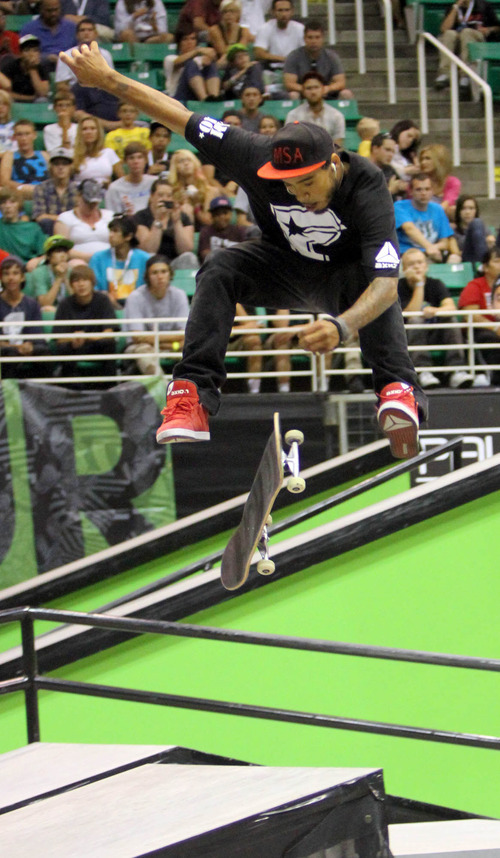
49 281
18 236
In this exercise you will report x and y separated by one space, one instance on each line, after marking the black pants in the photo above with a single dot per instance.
484 337
257 274
434 336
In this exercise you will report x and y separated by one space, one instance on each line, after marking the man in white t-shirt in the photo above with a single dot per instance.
314 109
278 36
130 193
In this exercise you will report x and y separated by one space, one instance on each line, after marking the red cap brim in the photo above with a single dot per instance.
267 171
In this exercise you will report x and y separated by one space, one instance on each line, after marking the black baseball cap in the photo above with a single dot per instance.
298 149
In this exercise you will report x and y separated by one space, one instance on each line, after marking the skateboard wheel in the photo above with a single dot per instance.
294 435
269 520
296 485
265 567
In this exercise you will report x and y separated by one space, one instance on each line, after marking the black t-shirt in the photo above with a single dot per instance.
100 307
434 292
20 79
357 227
167 247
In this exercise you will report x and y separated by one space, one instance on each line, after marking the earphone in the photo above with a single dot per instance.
334 168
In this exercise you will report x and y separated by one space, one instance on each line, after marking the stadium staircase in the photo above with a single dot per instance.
371 94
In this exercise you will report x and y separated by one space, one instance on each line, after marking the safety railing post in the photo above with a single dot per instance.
29 662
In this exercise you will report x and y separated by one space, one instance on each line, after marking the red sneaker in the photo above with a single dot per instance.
397 417
184 418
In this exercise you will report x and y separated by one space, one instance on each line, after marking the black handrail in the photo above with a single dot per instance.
32 682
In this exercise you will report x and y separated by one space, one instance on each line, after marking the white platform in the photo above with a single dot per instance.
465 838
44 767
153 806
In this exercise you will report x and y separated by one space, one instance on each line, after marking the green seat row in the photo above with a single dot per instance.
487 57
430 13
455 275
278 108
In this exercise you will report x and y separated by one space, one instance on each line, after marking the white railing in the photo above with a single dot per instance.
309 366
456 64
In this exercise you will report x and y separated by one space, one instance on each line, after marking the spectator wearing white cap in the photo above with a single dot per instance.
28 75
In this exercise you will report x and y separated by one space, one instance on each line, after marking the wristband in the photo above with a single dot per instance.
158 224
342 329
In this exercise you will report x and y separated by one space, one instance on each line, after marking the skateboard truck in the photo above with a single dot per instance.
295 484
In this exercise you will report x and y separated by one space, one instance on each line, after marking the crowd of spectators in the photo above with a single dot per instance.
99 211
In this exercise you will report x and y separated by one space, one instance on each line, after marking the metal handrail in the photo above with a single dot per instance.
31 681
457 63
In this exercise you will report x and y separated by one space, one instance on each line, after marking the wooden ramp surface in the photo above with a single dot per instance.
463 838
155 806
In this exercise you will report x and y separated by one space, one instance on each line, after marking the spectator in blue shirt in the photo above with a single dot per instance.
55 32
121 269
423 224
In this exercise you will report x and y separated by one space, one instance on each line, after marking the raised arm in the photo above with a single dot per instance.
91 69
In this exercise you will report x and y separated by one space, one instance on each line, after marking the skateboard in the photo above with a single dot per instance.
252 533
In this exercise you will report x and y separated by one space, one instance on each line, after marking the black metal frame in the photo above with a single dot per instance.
30 682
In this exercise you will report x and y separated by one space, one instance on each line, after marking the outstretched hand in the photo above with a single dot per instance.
87 63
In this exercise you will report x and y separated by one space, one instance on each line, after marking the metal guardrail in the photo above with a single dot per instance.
309 366
31 682
457 63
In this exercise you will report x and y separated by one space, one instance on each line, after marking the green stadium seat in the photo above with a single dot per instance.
351 139
185 279
179 142
122 54
455 275
349 110
213 108
279 108
487 57
154 54
150 78
16 22
41 113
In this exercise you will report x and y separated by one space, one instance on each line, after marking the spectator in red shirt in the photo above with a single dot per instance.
477 295
9 41
201 14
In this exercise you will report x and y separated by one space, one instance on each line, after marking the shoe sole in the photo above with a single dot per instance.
171 436
398 425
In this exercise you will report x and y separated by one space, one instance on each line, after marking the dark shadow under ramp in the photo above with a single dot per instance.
184 810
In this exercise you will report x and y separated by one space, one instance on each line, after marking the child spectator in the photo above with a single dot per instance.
15 310
130 194
57 194
18 235
27 75
159 141
251 100
83 305
7 142
366 128
62 134
221 232
128 132
241 72
21 171
156 299
120 269
48 283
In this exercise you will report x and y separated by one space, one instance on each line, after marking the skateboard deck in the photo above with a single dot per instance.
240 549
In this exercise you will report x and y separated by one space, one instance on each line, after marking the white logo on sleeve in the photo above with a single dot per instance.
387 257
212 127
308 232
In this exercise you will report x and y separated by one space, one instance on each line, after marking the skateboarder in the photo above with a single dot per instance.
328 246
